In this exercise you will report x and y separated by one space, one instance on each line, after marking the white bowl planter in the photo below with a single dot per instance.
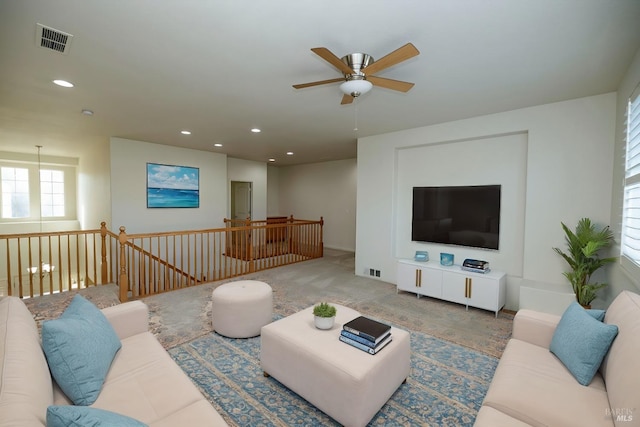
324 322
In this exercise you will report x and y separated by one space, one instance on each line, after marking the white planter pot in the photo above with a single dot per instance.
324 322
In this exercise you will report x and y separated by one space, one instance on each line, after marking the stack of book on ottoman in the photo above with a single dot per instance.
366 334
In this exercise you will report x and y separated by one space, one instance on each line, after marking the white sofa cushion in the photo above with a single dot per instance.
25 382
488 416
533 386
621 366
146 384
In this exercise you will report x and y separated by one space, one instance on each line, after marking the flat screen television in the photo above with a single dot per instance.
461 215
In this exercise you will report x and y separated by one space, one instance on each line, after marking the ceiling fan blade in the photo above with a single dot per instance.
401 54
326 54
347 99
320 82
390 83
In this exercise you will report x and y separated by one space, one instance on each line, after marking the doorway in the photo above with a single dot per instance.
240 200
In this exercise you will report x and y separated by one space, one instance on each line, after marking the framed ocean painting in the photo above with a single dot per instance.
170 186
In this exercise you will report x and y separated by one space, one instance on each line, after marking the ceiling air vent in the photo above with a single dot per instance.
53 39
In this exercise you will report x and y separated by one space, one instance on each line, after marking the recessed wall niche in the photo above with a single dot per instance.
497 159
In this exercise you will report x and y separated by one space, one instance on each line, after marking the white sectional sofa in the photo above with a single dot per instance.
532 387
143 382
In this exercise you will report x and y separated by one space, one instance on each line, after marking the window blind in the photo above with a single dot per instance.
630 245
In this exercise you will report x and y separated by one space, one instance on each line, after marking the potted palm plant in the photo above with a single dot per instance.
324 315
583 247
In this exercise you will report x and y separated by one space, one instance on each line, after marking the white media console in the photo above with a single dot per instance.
451 283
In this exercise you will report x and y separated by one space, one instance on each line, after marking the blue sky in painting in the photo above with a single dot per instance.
175 177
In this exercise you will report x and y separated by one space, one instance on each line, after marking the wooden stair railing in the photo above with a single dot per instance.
146 264
159 262
145 259
34 264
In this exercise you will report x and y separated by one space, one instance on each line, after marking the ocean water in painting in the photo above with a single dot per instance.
172 198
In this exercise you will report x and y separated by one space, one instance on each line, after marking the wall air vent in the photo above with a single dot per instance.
50 38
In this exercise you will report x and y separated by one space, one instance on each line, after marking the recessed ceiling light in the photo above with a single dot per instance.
272 160
217 144
289 153
185 132
256 130
63 83
87 112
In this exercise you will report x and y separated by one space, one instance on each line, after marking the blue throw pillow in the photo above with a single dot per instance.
80 346
581 342
83 416
596 314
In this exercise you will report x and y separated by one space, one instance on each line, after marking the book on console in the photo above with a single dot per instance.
363 340
367 328
366 348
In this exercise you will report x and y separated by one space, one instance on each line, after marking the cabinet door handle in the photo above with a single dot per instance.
467 287
418 278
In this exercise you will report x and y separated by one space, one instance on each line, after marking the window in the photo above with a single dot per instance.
52 193
25 198
630 245
15 192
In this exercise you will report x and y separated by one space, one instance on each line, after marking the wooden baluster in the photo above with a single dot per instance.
86 260
20 290
30 265
160 268
123 281
77 239
50 262
9 282
104 265
60 280
40 265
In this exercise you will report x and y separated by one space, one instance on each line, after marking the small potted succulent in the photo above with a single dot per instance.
324 314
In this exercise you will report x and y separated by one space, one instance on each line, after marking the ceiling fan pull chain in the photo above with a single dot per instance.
355 115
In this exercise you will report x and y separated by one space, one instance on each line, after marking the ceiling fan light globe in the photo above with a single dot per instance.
356 88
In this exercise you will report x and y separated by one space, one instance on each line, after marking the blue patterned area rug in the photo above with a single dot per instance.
446 385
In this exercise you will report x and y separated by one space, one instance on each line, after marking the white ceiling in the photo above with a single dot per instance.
150 68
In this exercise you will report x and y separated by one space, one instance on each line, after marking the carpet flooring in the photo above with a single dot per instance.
181 316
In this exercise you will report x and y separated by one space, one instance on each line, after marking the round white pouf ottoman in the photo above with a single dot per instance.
239 309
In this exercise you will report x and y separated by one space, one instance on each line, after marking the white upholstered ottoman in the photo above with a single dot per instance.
347 384
239 309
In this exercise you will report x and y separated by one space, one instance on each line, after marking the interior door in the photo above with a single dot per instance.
240 200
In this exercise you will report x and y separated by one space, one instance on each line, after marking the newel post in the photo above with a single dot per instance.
123 281
104 266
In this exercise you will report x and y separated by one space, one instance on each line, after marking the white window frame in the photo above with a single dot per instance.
70 190
49 189
630 232
16 183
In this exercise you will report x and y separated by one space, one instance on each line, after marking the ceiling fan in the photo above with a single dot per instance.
359 70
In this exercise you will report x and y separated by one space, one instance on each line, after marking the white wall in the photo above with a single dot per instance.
94 185
568 168
256 174
128 187
326 189
273 191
